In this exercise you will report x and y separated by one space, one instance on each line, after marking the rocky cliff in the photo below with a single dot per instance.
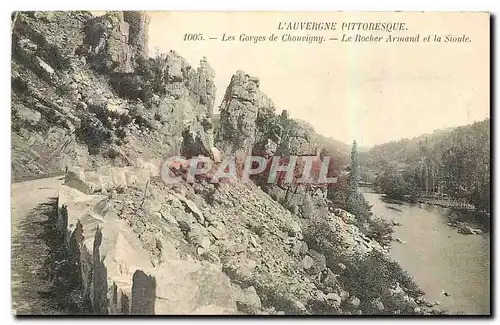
87 100
84 94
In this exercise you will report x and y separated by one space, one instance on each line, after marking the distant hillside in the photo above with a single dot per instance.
454 161
406 151
335 147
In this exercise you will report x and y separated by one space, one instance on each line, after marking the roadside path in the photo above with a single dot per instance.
32 216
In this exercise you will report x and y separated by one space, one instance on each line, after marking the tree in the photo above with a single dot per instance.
392 183
355 201
354 173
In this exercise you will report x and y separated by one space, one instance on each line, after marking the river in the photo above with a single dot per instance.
438 257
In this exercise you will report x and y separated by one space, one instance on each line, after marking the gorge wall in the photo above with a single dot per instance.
87 100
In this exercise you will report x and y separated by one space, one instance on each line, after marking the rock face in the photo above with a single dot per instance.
300 140
238 113
85 94
138 31
113 41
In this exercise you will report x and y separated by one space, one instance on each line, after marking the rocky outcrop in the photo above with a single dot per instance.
247 119
238 113
106 43
170 74
202 85
115 40
248 125
66 114
299 138
138 31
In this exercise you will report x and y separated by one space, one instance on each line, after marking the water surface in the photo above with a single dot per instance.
438 257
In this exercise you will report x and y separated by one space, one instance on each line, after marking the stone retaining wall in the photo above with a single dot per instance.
116 272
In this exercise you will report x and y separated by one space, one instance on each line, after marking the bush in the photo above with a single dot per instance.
380 230
152 72
322 237
128 85
93 133
349 198
372 276
357 205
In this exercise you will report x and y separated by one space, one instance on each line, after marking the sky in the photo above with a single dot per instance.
369 92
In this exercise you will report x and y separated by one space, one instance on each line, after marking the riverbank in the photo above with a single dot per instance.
445 203
470 218
459 217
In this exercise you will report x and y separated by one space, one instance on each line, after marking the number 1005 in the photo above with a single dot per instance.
193 37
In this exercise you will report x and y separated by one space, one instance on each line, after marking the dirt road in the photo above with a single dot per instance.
26 196
38 265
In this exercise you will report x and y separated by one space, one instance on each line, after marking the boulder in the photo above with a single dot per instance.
192 207
116 108
217 232
307 262
467 230
377 304
198 236
186 221
318 263
192 287
28 115
49 71
354 301
333 300
247 299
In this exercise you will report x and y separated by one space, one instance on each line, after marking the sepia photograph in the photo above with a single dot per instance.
274 163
